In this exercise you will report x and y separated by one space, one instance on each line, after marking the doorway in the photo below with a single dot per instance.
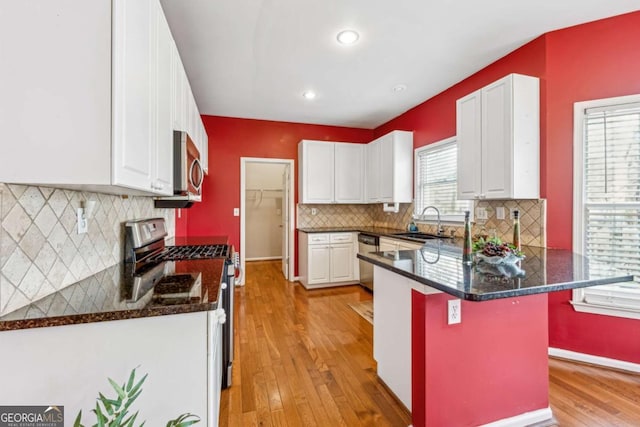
266 212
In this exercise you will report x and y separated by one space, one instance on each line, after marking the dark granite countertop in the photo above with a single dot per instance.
543 270
378 231
110 295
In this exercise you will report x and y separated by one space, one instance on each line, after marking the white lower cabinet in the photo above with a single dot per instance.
319 262
179 352
341 267
327 259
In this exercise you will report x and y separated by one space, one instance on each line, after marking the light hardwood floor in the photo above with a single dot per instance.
304 358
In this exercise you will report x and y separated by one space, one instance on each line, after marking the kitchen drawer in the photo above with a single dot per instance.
315 239
341 237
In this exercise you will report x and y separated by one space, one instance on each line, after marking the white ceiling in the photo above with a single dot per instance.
254 58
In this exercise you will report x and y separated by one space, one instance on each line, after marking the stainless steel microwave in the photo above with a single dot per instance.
187 174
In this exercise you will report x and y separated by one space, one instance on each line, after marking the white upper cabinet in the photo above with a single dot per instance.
498 136
331 172
162 103
100 78
389 171
133 147
339 172
349 173
372 178
316 171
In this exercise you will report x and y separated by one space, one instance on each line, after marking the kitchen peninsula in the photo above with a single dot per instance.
490 367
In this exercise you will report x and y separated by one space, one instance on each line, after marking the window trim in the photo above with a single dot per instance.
432 219
578 300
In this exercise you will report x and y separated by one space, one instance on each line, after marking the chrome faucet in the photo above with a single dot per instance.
439 228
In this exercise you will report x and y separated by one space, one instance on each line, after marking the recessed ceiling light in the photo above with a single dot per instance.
348 37
308 94
399 88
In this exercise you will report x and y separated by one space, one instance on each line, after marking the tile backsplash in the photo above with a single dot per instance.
532 219
334 215
40 249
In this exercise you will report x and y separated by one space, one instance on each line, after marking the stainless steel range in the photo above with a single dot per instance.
151 263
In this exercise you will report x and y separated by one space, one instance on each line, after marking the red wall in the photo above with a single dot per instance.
590 61
593 61
232 138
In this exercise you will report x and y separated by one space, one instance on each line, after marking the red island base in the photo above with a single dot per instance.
490 368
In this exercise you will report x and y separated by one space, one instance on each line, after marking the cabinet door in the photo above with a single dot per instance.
177 91
204 152
341 262
468 138
372 171
386 169
497 139
162 104
132 142
316 172
349 173
214 382
319 264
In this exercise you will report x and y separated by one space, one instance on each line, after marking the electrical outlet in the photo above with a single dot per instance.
83 225
454 313
511 211
500 212
481 213
314 211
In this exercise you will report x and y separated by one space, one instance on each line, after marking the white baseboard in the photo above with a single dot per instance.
594 360
264 258
526 419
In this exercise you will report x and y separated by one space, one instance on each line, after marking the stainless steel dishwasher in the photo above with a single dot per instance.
367 243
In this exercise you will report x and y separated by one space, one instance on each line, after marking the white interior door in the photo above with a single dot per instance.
286 177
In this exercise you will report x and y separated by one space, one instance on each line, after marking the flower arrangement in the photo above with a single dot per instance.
494 251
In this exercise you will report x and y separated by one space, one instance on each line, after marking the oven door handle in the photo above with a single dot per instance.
239 276
222 316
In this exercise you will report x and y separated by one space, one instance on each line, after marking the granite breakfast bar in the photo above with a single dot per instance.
492 367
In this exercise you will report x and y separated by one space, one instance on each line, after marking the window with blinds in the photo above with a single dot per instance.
607 210
436 182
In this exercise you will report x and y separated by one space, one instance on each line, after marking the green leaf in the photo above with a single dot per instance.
100 416
137 386
131 378
107 403
77 423
182 420
122 421
129 421
117 388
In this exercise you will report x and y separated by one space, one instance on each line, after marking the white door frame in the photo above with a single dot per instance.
291 207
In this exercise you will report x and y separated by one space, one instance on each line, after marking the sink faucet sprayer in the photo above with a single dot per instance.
439 229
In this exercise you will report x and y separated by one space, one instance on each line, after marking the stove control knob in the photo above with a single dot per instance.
223 285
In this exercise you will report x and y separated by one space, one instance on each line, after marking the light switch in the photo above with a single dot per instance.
481 213
236 211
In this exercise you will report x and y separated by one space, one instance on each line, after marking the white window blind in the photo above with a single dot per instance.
610 205
436 181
